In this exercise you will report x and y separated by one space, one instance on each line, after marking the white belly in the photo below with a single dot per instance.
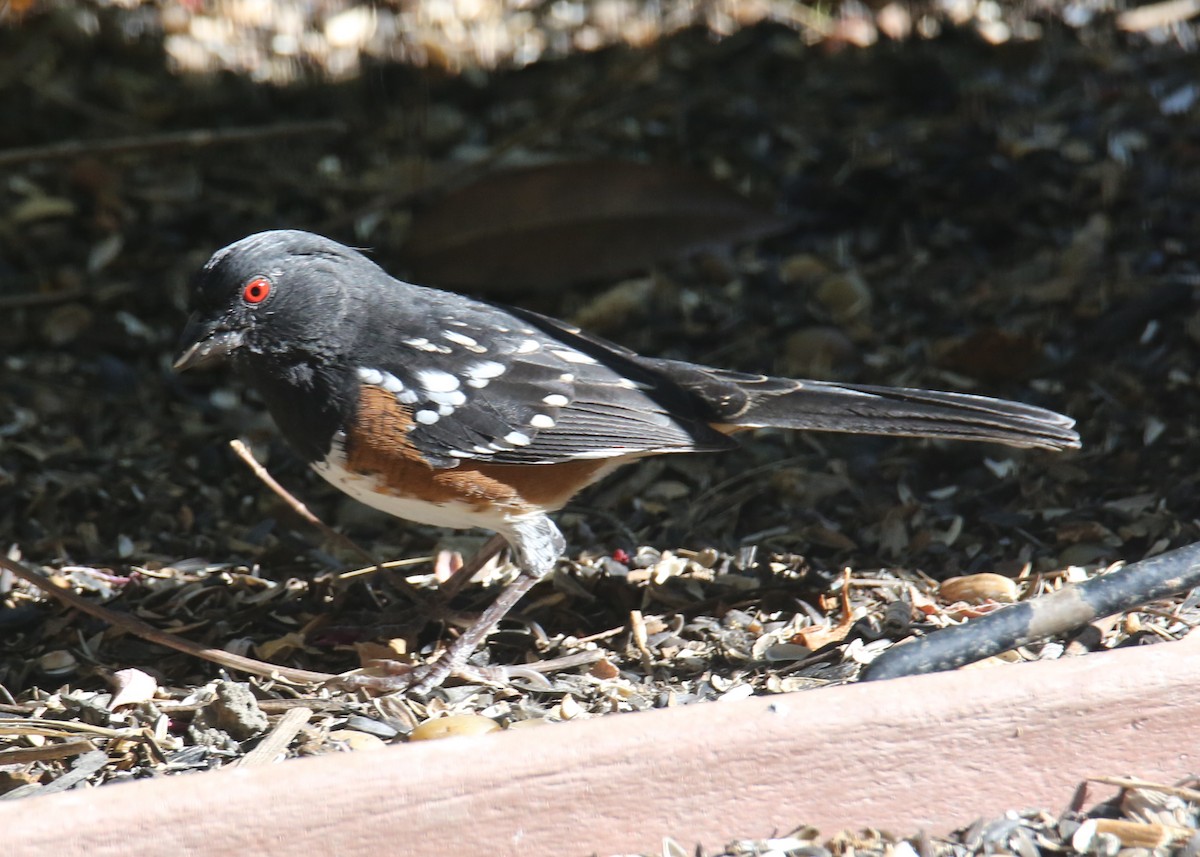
457 516
533 537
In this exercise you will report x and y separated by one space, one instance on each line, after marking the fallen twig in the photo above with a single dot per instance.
243 452
462 575
141 629
46 752
1146 785
1156 15
195 139
38 299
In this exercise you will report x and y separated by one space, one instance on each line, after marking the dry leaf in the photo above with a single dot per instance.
548 226
817 636
132 686
993 355
280 646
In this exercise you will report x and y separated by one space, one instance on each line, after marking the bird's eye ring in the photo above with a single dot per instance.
256 290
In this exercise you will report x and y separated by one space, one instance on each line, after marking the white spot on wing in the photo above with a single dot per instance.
426 418
477 383
567 378
422 344
445 410
437 381
605 452
542 421
459 338
485 370
407 397
574 357
391 383
529 345
370 376
554 400
454 398
517 439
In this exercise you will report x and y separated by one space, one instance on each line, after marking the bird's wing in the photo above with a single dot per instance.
514 387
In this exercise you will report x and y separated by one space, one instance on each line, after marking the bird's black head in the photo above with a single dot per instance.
283 295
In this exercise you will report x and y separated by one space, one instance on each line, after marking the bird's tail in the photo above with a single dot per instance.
903 411
740 401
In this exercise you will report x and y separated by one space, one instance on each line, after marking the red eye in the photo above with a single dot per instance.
256 291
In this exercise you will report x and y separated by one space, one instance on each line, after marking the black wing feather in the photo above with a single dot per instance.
601 401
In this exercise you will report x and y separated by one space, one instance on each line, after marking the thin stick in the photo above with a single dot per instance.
243 452
37 299
141 629
61 750
1146 785
415 595
451 586
384 566
195 139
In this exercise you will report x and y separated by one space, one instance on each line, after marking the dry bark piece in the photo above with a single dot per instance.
276 743
548 226
1135 834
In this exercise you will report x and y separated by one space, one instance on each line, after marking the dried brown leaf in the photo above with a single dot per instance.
548 226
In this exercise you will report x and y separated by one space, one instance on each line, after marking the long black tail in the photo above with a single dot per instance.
733 400
755 401
903 411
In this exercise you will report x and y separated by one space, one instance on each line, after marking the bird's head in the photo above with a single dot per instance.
282 294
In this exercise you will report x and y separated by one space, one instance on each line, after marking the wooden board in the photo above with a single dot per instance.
929 752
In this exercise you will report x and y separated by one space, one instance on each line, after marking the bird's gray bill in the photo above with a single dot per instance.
204 343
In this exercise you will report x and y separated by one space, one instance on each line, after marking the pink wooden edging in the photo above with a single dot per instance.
932 751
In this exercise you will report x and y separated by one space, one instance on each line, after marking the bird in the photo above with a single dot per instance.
449 411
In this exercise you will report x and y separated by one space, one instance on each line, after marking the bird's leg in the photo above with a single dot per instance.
456 655
537 545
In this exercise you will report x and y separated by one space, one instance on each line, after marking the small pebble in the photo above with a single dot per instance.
370 726
978 588
453 726
57 663
356 741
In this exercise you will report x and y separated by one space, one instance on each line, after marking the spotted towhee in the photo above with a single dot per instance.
444 410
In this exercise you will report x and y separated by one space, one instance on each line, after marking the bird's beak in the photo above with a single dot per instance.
205 341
